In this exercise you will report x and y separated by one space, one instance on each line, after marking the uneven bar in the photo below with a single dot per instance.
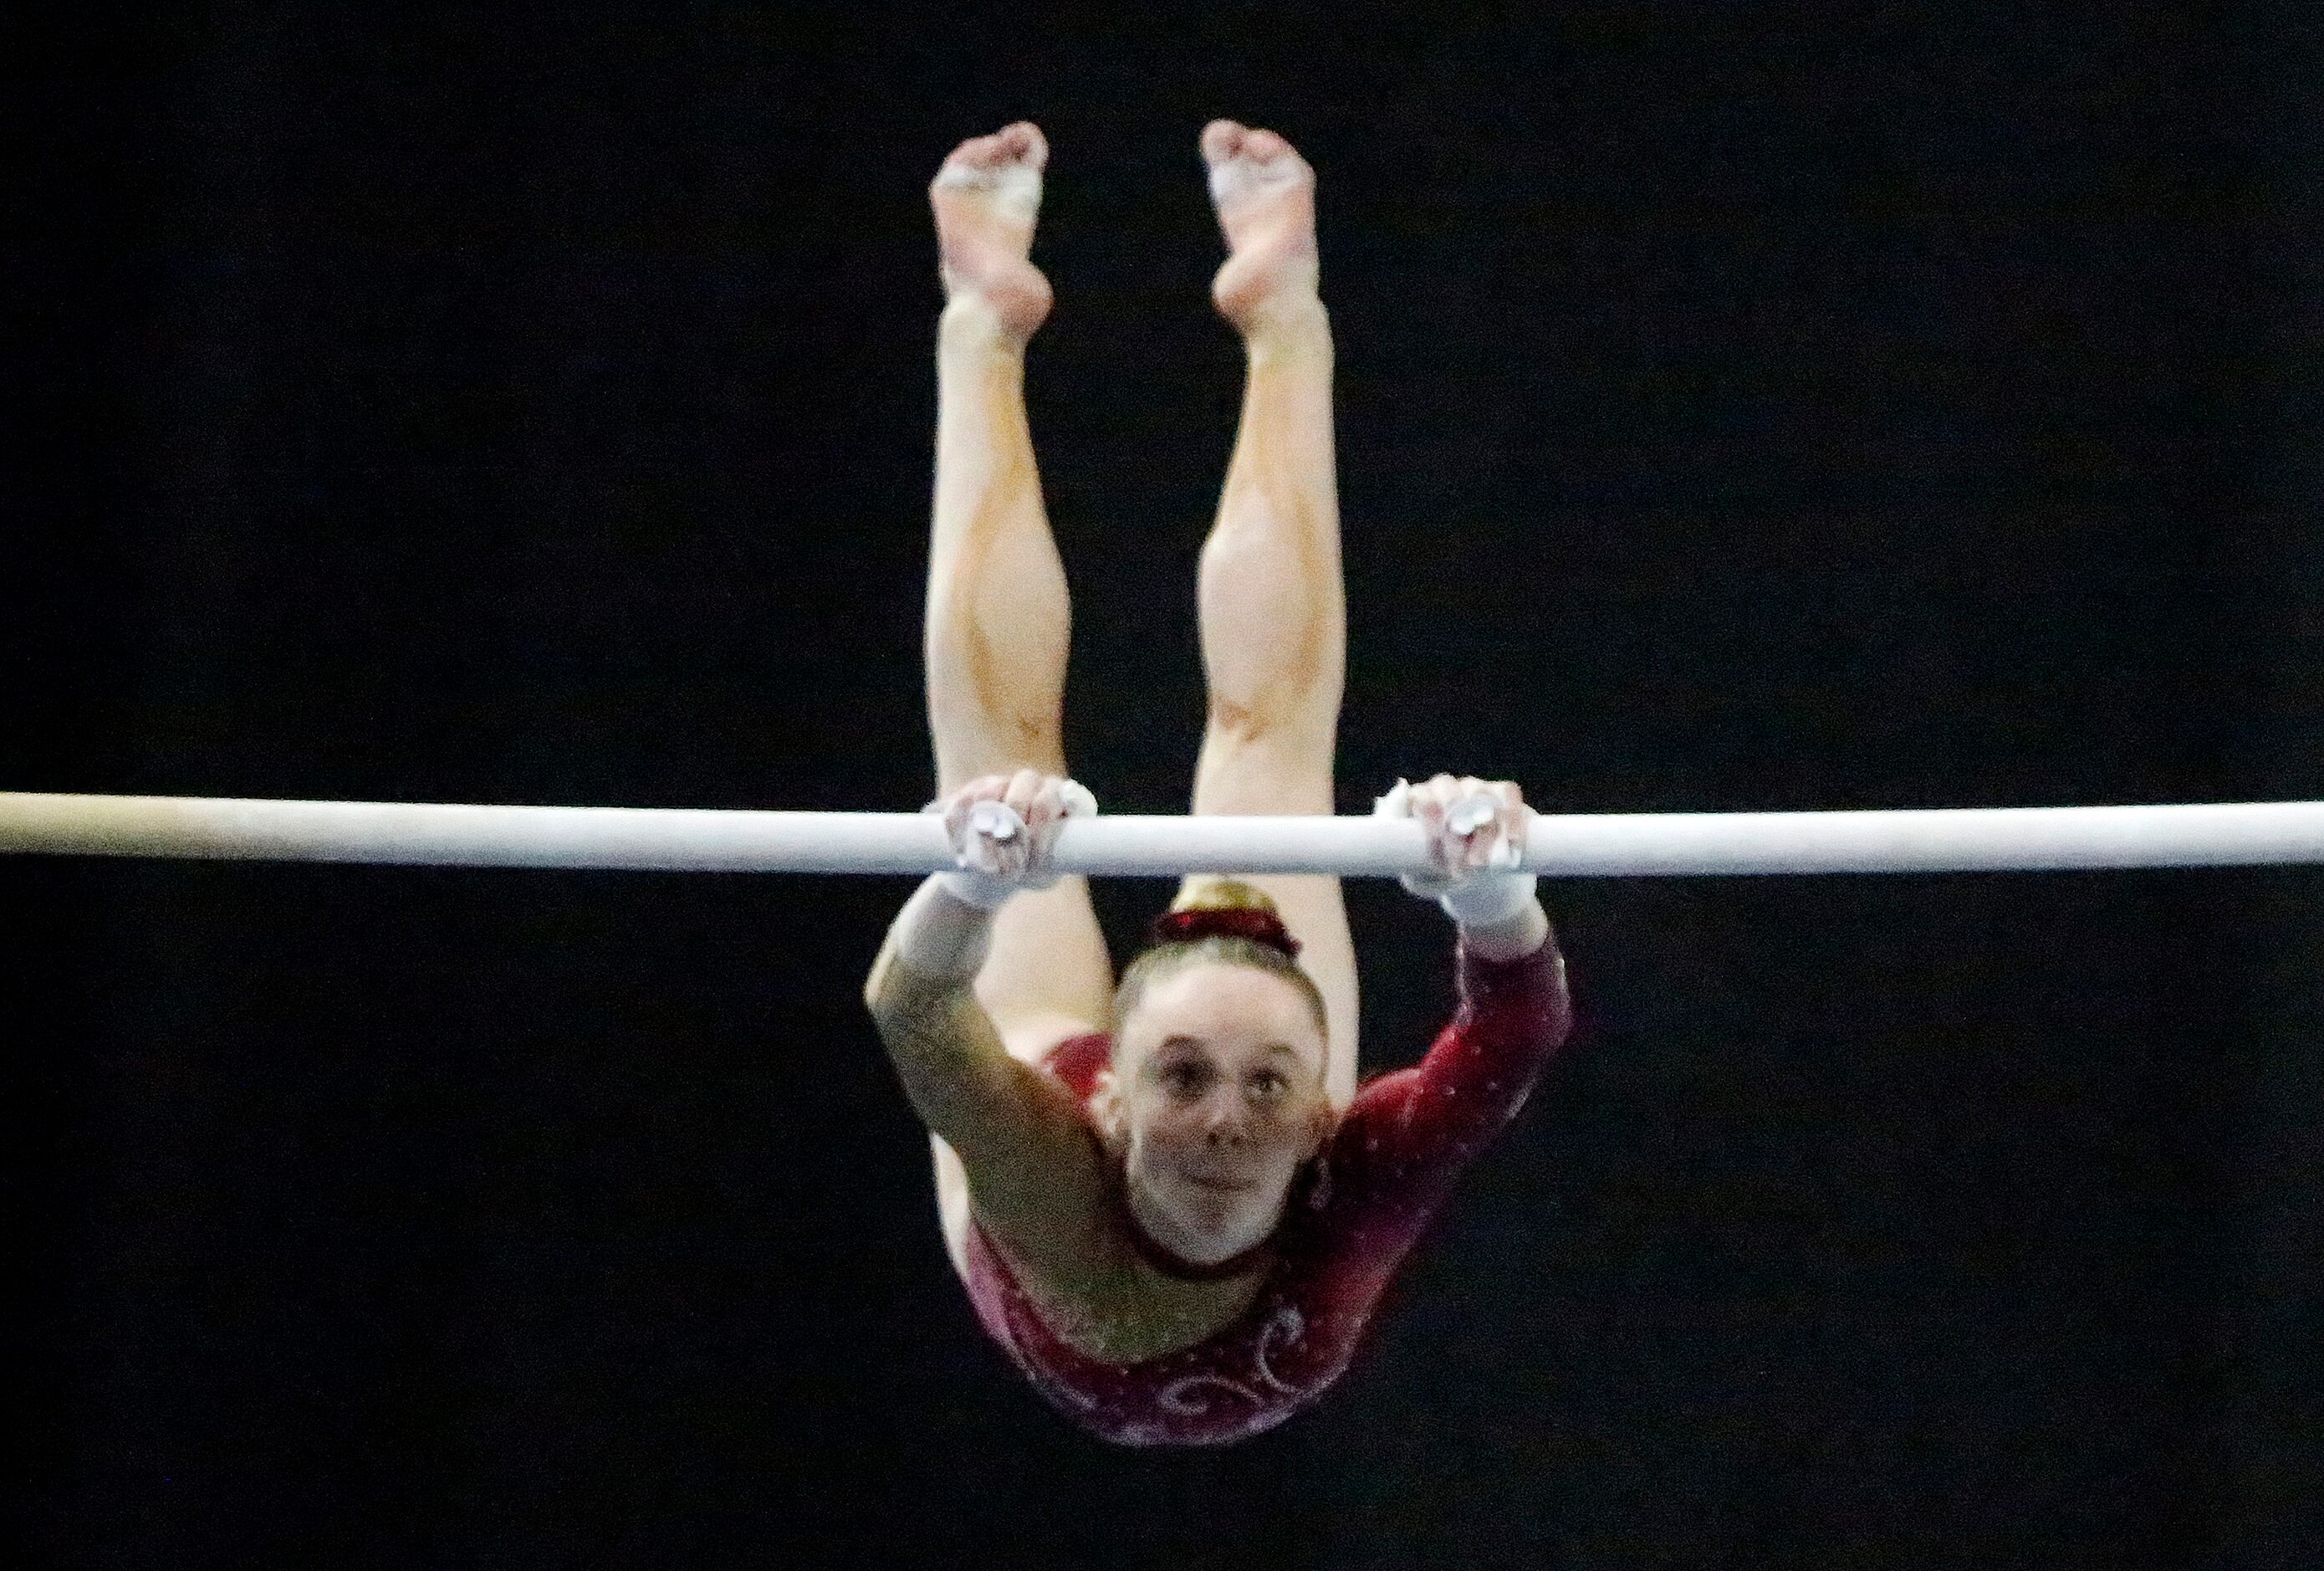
1597 845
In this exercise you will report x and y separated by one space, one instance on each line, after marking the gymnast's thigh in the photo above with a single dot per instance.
1049 975
952 1204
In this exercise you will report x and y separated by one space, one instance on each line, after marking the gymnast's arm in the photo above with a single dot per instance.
1033 1172
1515 1013
1515 1009
1417 1129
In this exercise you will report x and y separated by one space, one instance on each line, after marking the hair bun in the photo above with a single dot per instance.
1258 924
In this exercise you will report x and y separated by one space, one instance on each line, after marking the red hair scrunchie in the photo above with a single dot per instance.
1261 926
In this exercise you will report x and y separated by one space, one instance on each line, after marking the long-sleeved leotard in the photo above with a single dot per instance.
1350 1220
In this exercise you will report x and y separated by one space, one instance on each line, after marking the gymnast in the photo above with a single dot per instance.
1170 1202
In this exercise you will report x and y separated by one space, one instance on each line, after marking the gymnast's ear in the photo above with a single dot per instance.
1108 1109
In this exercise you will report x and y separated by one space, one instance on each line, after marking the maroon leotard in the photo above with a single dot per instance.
1350 1217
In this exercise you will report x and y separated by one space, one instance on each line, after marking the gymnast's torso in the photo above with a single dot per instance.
1348 1222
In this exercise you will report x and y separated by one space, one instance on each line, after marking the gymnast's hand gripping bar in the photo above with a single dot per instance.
1592 845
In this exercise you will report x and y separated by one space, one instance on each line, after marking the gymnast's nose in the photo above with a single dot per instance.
1225 1124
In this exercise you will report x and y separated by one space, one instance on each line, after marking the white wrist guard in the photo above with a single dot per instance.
985 891
1490 898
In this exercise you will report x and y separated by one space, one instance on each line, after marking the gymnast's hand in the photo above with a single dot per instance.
1477 832
1003 828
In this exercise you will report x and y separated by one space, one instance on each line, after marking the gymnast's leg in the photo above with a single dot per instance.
1273 610
998 618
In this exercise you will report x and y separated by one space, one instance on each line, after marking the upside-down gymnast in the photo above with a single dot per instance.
1170 1202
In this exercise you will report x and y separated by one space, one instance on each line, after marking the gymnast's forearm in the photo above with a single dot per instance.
1513 1016
946 1052
933 948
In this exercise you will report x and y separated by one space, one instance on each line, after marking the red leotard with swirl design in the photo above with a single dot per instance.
1349 1222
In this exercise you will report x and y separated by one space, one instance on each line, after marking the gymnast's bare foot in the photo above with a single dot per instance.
1265 197
986 197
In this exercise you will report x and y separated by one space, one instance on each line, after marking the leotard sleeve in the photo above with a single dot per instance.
1409 1134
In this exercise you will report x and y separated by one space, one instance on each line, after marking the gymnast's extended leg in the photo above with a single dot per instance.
997 616
1273 610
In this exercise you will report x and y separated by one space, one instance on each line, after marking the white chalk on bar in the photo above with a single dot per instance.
1599 846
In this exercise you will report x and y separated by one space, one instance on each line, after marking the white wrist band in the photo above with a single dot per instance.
1489 898
984 891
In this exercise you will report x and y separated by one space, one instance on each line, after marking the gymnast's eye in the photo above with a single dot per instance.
1185 1076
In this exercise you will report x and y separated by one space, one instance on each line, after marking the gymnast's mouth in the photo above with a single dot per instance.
1219 1185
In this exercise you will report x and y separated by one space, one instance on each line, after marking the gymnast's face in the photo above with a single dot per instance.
1214 1099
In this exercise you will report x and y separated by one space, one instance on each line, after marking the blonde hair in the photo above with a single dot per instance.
1158 961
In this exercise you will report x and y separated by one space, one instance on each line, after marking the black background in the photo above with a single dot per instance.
1738 408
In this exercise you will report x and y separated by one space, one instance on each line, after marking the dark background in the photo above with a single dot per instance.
1739 407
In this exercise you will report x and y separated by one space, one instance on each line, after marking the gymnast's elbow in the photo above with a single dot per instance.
915 1022
954 1068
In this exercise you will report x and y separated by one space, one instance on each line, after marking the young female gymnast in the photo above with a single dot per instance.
1170 1202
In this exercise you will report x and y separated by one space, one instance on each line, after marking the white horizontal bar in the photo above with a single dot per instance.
1910 840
